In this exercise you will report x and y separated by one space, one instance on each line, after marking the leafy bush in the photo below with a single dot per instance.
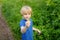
45 15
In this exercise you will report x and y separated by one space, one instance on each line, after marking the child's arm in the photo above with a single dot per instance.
24 28
37 30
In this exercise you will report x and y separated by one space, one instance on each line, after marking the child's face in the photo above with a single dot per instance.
27 16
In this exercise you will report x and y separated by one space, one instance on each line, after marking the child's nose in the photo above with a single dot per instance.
27 15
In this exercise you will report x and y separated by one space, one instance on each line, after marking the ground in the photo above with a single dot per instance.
5 32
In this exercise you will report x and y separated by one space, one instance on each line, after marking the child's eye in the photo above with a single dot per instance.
29 13
25 14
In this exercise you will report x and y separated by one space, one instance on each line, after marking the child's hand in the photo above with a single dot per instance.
39 32
27 23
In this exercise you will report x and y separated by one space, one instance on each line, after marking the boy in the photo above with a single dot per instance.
26 23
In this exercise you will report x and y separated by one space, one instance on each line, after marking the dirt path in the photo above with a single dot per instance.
5 33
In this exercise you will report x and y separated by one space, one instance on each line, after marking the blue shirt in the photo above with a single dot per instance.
28 35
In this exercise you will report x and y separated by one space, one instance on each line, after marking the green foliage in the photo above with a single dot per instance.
45 15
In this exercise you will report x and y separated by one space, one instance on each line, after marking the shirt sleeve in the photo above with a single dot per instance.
21 25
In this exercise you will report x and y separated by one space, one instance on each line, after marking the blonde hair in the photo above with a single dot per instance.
26 9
